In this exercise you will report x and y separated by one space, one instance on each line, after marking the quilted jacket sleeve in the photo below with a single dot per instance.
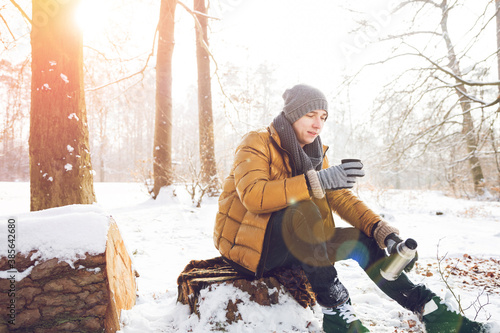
257 189
351 209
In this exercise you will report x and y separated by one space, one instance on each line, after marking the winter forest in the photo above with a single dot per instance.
149 95
414 87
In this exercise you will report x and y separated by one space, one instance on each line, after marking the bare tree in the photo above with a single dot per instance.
431 103
468 129
15 82
497 34
494 140
162 153
60 168
206 122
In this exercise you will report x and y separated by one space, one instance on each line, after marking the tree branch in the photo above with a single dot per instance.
22 11
445 280
8 28
450 73
412 33
131 75
195 12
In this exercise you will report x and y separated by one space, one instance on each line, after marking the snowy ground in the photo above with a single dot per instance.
163 236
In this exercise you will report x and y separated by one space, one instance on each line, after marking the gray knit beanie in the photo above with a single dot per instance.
302 99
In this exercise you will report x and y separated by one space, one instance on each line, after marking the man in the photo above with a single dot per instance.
276 211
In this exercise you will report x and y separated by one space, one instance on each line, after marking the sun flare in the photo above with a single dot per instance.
92 16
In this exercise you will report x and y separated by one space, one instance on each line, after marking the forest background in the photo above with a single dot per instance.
413 86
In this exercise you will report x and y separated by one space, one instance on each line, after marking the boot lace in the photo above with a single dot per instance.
346 312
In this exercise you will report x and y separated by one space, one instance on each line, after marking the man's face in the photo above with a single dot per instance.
309 126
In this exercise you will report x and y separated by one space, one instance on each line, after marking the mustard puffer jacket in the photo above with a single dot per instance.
261 183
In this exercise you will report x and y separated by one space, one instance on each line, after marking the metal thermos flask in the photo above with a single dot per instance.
400 255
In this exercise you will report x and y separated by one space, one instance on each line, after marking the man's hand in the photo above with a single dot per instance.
384 232
340 176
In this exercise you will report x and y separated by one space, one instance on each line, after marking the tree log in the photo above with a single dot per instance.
54 296
201 274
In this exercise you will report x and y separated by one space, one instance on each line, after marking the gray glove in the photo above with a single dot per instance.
335 177
340 176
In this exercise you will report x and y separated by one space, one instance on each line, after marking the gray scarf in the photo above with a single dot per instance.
304 159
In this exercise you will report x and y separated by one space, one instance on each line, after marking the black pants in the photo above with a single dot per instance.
297 239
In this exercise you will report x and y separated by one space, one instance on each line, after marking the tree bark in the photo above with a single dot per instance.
494 143
468 129
497 16
60 167
206 123
162 153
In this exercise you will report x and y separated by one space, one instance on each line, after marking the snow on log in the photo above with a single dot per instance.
200 277
71 272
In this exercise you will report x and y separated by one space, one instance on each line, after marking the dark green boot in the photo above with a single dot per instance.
441 319
342 320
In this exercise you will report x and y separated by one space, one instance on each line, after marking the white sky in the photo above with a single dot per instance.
300 38
306 41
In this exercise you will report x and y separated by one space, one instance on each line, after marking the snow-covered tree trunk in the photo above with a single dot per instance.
60 168
206 122
162 153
